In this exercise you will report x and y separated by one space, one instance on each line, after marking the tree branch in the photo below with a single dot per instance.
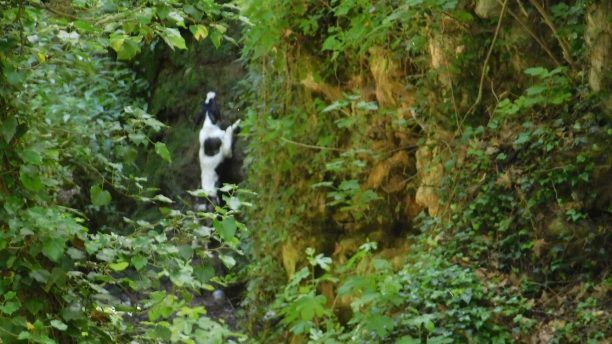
533 35
310 146
566 51
43 6
486 62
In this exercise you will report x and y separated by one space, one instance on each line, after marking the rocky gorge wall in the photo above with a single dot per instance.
473 127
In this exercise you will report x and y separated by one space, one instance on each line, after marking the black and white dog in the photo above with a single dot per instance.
215 147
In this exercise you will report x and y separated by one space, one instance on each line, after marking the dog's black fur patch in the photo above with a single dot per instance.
212 146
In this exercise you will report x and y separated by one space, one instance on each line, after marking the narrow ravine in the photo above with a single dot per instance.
406 172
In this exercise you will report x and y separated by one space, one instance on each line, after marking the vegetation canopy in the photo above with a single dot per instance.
420 171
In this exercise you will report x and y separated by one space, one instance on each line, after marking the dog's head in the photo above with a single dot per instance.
210 107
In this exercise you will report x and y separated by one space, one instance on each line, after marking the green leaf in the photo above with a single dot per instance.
182 276
199 31
367 106
99 197
338 104
332 43
130 47
173 38
219 27
380 324
9 127
139 262
197 193
31 156
216 37
162 198
138 138
178 18
72 311
119 266
24 335
34 305
203 273
429 325
228 261
537 71
42 339
75 254
439 340
381 264
59 325
163 307
116 42
40 275
84 26
162 151
10 307
356 283
30 179
535 90
226 228
408 340
522 138
53 248
234 203
310 306
13 76
185 251
322 261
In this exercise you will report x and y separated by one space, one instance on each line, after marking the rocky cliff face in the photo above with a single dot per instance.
445 120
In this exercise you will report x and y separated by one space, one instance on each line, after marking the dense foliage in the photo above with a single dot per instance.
424 171
76 268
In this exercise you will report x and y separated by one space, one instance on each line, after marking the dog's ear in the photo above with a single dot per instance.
214 112
211 107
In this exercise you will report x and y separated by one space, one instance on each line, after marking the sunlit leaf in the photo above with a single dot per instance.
216 37
228 261
162 198
226 228
129 49
119 266
59 325
173 38
199 31
178 18
162 151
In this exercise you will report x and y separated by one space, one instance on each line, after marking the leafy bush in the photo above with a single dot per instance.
75 266
429 298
